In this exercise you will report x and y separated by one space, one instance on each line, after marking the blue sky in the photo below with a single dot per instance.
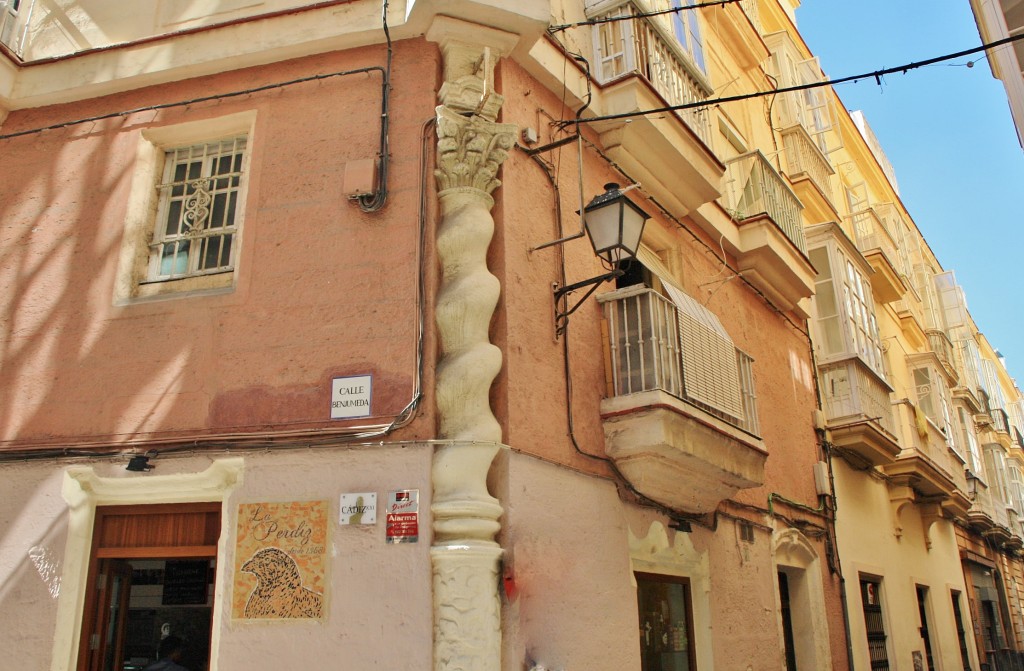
948 133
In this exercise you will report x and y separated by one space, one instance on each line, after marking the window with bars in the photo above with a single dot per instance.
196 224
961 630
874 623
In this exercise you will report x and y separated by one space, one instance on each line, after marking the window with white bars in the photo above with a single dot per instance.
197 216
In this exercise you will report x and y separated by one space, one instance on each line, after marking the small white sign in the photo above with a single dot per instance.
350 396
358 508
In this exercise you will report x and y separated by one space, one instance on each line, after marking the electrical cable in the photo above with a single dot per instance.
193 101
876 75
374 201
627 17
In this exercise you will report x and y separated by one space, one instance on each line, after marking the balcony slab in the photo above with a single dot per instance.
774 265
886 283
663 152
866 440
677 454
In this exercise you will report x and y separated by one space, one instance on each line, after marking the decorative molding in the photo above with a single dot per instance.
83 489
469 152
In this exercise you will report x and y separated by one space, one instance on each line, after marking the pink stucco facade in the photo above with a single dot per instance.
222 364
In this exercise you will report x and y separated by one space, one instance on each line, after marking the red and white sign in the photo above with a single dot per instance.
403 516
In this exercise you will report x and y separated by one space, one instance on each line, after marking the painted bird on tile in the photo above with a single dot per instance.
279 592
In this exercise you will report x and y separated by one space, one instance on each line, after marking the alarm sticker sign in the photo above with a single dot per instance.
403 516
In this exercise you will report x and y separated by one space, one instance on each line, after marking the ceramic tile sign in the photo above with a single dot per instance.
350 396
280 561
360 508
403 516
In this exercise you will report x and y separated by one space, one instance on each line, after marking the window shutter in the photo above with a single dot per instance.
710 370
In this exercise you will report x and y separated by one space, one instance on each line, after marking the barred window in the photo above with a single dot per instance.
196 225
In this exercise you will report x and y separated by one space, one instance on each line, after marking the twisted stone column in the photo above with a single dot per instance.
464 555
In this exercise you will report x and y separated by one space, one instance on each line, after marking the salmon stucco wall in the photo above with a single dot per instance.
231 362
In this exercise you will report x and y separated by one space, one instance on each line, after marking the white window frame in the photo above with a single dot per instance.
687 31
14 18
933 398
198 211
855 309
146 212
966 421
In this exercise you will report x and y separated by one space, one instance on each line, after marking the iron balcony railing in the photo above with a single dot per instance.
852 392
1000 420
637 45
754 188
942 347
892 222
646 354
804 157
870 232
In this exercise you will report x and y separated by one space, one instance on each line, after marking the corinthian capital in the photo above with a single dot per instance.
470 150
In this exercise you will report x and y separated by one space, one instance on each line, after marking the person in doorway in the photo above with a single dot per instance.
170 653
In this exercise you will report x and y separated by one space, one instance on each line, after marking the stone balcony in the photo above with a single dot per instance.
858 411
671 445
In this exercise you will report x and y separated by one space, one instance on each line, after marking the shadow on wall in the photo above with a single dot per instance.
57 263
31 562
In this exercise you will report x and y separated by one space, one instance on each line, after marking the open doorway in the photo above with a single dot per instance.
151 581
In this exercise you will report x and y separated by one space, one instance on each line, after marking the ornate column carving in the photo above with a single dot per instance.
464 555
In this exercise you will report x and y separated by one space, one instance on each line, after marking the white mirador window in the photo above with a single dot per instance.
687 31
933 399
196 224
846 310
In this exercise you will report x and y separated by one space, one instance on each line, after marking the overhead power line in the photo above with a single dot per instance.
627 17
876 75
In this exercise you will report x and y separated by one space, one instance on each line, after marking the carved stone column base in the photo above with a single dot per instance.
467 611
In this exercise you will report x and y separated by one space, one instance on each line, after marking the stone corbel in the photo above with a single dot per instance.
931 512
901 495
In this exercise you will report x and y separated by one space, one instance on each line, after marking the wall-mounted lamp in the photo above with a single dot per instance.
972 486
614 224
